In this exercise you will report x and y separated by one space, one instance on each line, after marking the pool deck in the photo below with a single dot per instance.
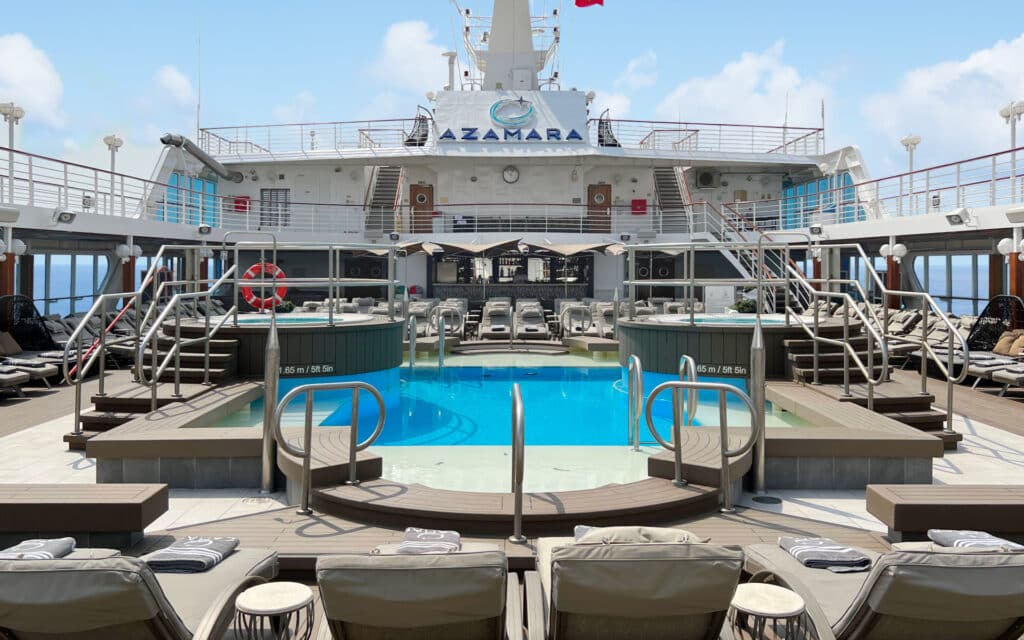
300 540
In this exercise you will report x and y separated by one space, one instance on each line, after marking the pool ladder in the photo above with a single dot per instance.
518 454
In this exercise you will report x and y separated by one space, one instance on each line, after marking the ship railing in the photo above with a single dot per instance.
309 139
652 135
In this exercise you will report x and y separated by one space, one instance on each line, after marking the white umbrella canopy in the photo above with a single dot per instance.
476 249
566 250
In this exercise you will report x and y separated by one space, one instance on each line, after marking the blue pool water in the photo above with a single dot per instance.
288 319
472 405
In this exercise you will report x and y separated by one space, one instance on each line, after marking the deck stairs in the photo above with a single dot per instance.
671 200
893 400
382 198
119 406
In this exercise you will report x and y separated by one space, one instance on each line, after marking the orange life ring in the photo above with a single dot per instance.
264 268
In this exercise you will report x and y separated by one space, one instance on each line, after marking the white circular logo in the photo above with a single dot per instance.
512 113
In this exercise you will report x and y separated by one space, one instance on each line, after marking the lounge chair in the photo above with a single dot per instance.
363 304
462 595
496 323
121 598
11 379
1008 377
9 348
36 368
649 590
906 594
531 325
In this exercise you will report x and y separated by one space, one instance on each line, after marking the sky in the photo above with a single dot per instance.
83 70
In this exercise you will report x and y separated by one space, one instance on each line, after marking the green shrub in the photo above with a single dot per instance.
745 305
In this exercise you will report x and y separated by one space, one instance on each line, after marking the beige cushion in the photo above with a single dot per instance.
638 535
930 547
427 590
1017 348
192 593
1005 342
70 596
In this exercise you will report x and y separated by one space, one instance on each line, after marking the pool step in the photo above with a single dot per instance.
193 358
137 398
190 374
833 375
105 420
76 441
217 345
830 359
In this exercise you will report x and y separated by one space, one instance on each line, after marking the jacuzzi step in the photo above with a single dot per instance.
806 360
76 441
806 345
190 374
137 398
105 420
217 358
218 345
394 504
833 375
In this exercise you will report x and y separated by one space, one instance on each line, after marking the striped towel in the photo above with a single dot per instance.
191 555
39 549
971 540
824 553
417 541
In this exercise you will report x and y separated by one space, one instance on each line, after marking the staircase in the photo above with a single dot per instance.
671 200
898 402
383 198
115 408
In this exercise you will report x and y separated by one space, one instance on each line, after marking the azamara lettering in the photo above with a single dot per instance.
516 135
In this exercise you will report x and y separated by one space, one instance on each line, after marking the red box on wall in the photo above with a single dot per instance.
241 204
638 207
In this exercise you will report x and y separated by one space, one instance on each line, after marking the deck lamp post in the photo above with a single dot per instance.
1011 113
910 143
113 144
12 114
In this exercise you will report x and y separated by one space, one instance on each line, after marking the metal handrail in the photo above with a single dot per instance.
518 454
572 310
305 452
634 398
157 369
684 409
433 319
442 340
410 327
723 390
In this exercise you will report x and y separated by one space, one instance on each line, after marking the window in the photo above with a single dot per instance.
275 208
190 200
66 283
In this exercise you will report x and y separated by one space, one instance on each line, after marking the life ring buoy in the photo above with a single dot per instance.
268 269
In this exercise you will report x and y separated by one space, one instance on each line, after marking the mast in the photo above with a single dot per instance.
510 61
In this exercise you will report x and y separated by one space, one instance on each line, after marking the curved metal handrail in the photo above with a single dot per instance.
305 452
634 398
688 371
454 312
410 328
518 454
723 390
570 310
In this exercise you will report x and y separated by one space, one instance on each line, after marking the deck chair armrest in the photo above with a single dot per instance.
535 622
812 609
218 616
513 608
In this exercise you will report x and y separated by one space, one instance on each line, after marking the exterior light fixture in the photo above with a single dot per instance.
816 229
204 229
393 236
63 216
959 217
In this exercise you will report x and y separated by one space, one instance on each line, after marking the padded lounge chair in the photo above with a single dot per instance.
9 348
652 591
1009 377
906 594
531 325
12 379
121 598
464 595
496 323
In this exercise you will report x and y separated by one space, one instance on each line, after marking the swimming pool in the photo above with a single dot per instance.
466 406
302 318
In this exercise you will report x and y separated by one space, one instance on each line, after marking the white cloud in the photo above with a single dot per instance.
640 72
136 158
176 85
952 105
410 59
751 90
28 78
618 104
298 109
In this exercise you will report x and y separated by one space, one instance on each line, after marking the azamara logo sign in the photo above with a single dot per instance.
473 134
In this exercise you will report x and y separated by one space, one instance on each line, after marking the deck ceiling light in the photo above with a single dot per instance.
959 217
9 215
63 216
1014 216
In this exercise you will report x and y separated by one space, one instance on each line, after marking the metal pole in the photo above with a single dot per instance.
206 343
924 351
391 286
307 446
177 350
78 389
442 339
410 326
631 267
615 313
518 451
271 373
723 434
353 440
678 410
846 347
103 348
757 393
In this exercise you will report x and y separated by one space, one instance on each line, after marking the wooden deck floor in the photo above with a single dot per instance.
301 539
980 404
42 405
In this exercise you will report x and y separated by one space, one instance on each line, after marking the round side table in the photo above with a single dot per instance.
279 610
765 602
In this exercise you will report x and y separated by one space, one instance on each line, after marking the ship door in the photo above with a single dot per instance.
421 197
599 208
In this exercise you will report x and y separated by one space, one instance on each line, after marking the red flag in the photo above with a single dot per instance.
589 3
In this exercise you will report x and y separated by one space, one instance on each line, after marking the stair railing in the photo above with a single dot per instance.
634 399
723 390
158 368
305 451
518 464
684 410
410 328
